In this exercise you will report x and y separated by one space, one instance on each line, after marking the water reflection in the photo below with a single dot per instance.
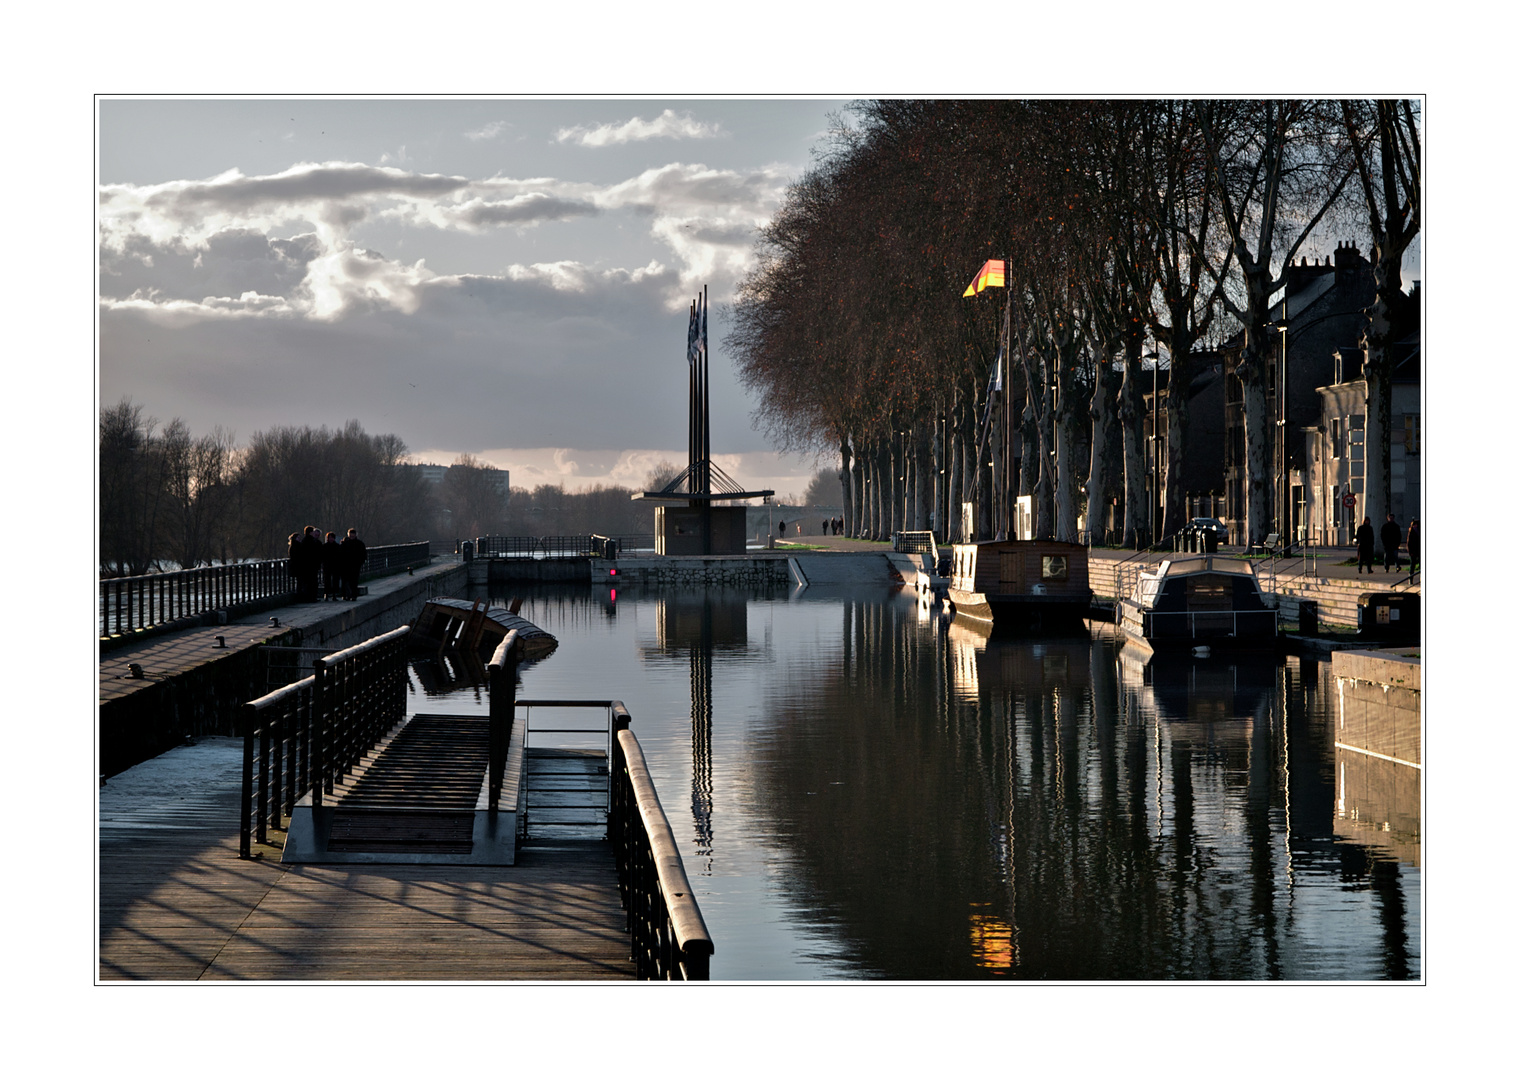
694 626
875 794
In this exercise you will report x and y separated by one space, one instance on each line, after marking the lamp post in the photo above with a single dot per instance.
1155 441
1285 492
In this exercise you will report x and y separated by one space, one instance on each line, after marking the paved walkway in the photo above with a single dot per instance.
176 903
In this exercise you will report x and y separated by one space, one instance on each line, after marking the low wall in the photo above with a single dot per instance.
716 571
205 699
501 571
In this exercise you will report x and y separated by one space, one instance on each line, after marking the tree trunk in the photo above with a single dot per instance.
924 473
847 486
1131 423
1101 411
1258 459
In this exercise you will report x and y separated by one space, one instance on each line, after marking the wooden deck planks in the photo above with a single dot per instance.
176 903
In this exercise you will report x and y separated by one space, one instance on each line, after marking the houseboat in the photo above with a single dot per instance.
1197 601
1021 584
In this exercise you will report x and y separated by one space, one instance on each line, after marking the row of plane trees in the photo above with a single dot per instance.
1135 233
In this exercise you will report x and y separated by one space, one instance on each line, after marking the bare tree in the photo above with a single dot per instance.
1385 141
132 490
472 492
1279 169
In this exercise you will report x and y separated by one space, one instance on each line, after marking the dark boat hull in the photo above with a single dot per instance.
1181 630
1011 612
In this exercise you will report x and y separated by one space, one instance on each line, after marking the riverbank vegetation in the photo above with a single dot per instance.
171 499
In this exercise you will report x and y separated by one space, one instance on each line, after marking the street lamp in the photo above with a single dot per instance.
1155 443
1285 492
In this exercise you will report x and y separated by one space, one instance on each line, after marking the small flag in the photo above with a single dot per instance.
997 373
990 276
693 338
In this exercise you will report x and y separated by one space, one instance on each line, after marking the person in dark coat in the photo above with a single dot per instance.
1365 540
293 561
311 563
1412 542
332 567
353 558
1392 535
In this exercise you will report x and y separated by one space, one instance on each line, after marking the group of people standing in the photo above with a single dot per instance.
1391 536
335 562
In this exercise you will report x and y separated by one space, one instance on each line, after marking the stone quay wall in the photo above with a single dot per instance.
695 571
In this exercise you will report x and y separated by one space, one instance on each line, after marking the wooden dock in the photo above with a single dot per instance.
176 902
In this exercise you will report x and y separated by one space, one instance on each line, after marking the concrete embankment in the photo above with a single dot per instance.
1378 760
770 568
192 683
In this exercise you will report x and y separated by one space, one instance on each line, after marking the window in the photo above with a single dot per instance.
1357 440
1053 568
1336 449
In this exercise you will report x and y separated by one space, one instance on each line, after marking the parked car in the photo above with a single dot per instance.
1213 525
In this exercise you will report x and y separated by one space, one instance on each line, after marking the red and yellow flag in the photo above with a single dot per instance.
990 276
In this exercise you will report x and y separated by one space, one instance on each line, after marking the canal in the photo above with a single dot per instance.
865 791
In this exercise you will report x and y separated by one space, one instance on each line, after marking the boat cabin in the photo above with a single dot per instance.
1020 581
1199 599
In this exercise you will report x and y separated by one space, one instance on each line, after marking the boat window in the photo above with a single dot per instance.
1053 568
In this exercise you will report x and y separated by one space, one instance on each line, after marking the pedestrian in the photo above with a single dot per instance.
1364 543
293 560
311 563
332 567
781 529
1391 536
353 558
1413 544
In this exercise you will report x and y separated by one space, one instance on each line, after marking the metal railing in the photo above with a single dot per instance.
501 685
670 938
1214 623
560 547
668 935
306 736
131 604
915 543
393 558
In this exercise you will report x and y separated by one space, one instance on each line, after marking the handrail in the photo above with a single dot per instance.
311 733
130 604
579 546
502 688
1149 618
670 938
915 543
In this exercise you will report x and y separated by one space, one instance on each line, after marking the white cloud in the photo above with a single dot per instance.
289 235
668 125
489 131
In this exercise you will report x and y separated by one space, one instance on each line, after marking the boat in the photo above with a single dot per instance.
447 622
1198 601
1021 584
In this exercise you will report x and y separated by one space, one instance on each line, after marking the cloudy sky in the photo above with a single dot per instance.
507 278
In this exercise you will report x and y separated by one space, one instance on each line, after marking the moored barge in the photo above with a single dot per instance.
1195 601
1021 584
